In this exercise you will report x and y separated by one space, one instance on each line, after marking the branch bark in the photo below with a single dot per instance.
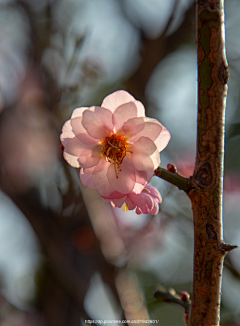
207 182
174 178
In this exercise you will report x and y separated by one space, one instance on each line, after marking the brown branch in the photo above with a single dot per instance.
174 178
207 181
172 297
54 245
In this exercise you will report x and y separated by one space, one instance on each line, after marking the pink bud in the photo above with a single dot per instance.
185 296
171 168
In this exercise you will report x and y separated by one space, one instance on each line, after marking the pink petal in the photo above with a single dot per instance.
114 195
150 174
114 100
141 177
123 113
126 178
133 127
141 181
86 139
138 211
67 127
71 159
130 204
75 148
81 132
67 133
87 180
88 170
140 109
78 112
143 201
138 188
145 156
142 127
155 208
91 158
147 204
100 179
77 126
154 193
117 202
163 139
97 122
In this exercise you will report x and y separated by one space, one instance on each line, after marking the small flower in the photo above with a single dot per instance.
116 146
147 201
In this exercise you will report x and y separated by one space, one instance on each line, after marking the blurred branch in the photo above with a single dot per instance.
154 50
151 56
54 245
70 270
131 296
171 296
71 273
40 29
229 265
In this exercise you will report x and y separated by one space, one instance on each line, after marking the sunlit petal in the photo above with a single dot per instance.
98 123
125 181
145 156
123 113
100 179
114 100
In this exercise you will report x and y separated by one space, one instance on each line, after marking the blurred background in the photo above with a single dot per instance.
65 255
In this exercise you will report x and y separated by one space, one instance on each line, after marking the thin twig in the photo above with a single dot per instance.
174 178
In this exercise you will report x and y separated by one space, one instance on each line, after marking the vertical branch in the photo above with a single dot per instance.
207 182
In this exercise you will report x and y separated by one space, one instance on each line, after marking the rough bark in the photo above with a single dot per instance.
207 182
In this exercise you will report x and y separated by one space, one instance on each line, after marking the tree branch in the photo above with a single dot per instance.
171 296
174 178
207 182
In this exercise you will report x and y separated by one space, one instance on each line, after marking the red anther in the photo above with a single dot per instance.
62 147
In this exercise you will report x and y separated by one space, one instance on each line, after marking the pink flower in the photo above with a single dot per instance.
147 201
116 146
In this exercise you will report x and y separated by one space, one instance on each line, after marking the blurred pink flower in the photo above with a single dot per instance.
116 146
147 201
29 144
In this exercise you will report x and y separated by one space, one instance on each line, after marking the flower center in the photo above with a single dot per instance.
114 149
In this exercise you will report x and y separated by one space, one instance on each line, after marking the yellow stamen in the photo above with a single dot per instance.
108 151
115 167
125 208
112 145
114 149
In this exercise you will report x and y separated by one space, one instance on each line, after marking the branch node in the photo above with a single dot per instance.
227 247
171 296
174 178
